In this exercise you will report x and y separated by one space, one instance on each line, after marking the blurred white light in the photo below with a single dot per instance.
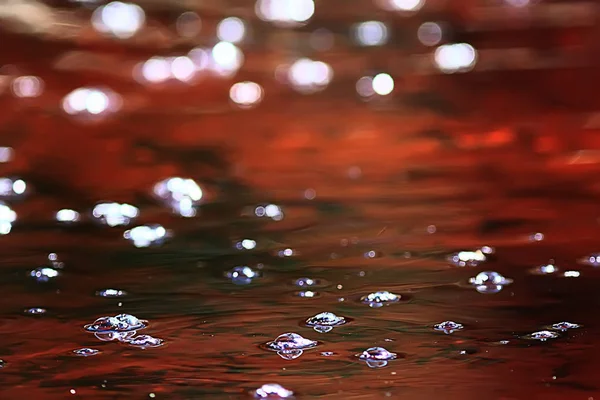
246 93
371 33
364 86
90 100
200 57
7 217
517 3
156 70
67 215
12 188
285 11
180 194
248 244
571 274
227 57
188 24
118 19
114 214
19 186
96 102
430 33
451 58
183 69
231 29
146 235
6 154
383 84
406 5
27 86
307 75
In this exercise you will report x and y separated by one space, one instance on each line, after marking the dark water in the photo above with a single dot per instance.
214 328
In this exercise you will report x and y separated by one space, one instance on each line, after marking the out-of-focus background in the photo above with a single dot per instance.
226 169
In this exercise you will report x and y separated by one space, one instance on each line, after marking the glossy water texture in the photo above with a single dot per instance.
218 228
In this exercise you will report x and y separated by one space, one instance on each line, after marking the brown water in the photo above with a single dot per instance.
213 328
376 195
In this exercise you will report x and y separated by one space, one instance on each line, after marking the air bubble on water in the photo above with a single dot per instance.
44 274
290 346
86 352
272 211
146 235
467 258
564 326
11 188
246 244
448 327
489 282
376 357
115 214
592 260
536 237
35 311
286 252
67 216
545 269
182 195
272 391
305 282
144 341
542 335
118 323
379 299
325 321
370 254
489 277
504 342
242 275
111 293
7 218
571 274
327 353
2 364
307 294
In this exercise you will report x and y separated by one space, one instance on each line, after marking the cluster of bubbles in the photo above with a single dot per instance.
48 272
123 328
182 195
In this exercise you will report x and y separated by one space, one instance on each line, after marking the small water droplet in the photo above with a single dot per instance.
325 321
376 357
591 260
542 335
489 282
272 391
86 352
545 269
448 327
111 293
536 237
242 275
291 341
467 258
144 341
327 353
304 282
44 274
564 326
379 299
35 311
309 294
